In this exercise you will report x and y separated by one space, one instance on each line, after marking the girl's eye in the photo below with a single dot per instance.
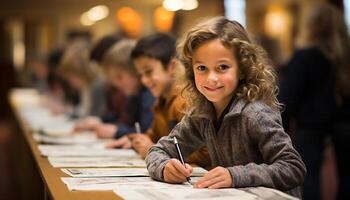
223 67
201 68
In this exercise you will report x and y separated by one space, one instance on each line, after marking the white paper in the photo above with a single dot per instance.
185 193
92 150
105 172
268 193
70 139
114 172
46 149
118 182
41 119
96 162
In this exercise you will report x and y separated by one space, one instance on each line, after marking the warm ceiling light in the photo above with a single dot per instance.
93 15
173 5
163 19
189 4
276 21
130 21
98 12
85 20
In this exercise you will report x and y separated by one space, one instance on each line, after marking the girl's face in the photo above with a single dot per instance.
123 80
153 75
216 72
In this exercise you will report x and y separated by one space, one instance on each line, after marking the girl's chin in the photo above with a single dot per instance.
212 99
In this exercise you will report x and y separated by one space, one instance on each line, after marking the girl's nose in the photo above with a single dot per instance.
212 77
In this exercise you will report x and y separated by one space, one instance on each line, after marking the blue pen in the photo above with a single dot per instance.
181 158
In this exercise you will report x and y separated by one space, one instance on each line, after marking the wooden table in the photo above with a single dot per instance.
35 177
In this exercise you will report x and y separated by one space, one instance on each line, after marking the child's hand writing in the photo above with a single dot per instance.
122 142
175 172
141 143
219 177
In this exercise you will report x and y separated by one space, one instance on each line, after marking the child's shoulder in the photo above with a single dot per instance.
178 103
258 109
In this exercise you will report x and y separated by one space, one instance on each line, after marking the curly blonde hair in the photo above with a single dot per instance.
259 79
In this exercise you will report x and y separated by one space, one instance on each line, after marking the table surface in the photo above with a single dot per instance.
51 177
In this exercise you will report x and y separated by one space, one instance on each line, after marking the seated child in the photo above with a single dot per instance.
234 112
153 57
84 77
121 73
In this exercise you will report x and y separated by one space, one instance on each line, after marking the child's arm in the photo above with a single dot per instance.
282 167
160 154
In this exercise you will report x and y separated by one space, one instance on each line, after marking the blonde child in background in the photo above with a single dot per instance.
84 77
153 57
234 112
121 73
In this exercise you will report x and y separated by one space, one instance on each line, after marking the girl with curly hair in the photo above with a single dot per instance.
233 110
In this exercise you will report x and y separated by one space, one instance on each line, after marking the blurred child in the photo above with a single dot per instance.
153 57
122 74
234 113
316 94
85 77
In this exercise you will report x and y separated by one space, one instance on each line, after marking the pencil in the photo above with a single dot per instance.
181 158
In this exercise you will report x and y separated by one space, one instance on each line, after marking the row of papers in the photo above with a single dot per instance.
121 172
89 166
256 193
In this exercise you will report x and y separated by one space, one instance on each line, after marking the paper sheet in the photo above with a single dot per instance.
185 193
92 150
257 193
70 139
118 182
104 161
114 172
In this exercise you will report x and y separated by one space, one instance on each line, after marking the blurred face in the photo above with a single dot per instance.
75 81
216 72
153 75
123 80
40 69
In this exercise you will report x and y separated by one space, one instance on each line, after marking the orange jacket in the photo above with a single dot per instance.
167 113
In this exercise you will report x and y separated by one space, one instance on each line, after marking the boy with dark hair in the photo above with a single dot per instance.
153 57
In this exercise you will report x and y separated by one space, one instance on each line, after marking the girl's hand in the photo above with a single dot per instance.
175 172
122 142
141 143
89 123
106 130
218 177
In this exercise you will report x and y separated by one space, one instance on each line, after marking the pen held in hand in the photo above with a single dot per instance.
137 127
181 158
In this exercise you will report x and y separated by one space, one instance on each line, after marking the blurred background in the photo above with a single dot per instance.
30 30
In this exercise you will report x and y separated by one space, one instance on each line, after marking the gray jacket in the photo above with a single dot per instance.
250 143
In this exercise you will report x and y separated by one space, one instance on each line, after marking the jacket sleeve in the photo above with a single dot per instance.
189 140
98 98
282 167
123 129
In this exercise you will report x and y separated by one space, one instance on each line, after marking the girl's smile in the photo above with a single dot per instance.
216 72
213 89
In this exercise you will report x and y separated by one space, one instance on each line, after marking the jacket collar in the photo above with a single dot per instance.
208 111
165 102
